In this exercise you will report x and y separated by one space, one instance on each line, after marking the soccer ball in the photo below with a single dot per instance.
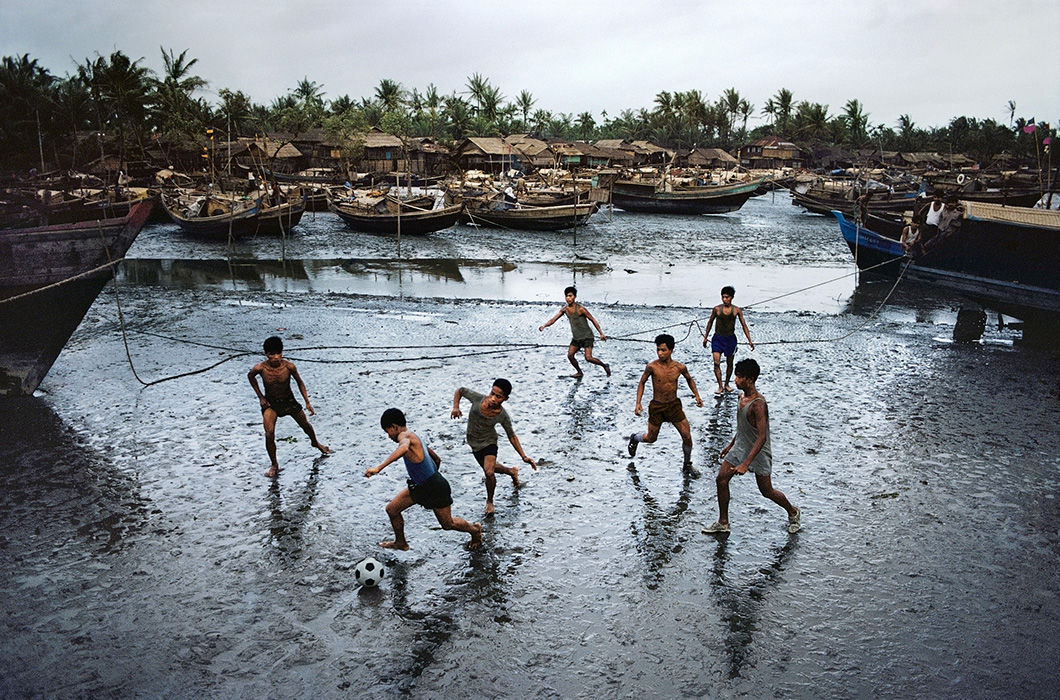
368 572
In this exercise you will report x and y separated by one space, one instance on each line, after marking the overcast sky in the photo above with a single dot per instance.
932 59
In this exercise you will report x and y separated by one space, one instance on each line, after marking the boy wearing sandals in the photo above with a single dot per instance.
750 450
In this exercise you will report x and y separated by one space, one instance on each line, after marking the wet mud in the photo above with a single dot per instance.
146 554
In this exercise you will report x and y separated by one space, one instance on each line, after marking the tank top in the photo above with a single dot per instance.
726 323
579 324
419 472
933 215
746 436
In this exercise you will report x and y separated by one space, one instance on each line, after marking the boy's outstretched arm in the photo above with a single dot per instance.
402 448
640 389
552 320
301 388
710 322
252 376
514 439
746 332
692 385
598 328
456 405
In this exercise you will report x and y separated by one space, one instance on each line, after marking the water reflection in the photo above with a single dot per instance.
742 599
428 277
56 482
656 534
288 516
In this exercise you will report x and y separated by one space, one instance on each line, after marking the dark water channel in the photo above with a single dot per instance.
145 554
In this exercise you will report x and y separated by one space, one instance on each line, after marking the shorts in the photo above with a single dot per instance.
480 455
670 412
581 342
723 344
759 466
283 407
433 493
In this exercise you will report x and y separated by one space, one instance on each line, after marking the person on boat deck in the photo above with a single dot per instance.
910 234
862 215
931 217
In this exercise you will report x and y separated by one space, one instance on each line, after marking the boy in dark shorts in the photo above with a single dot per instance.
581 334
426 486
278 399
486 412
724 340
665 407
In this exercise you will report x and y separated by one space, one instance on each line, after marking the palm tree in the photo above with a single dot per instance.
121 89
390 94
525 102
857 122
173 110
783 100
1011 111
770 110
309 93
586 123
24 87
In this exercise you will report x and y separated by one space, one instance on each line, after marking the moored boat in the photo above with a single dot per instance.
659 197
49 277
548 218
213 217
384 214
1005 258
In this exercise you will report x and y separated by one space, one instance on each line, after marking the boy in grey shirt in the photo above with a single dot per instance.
486 413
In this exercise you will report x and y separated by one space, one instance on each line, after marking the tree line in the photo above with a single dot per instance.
113 103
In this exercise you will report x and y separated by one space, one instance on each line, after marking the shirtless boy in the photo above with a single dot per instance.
665 406
750 450
486 412
581 335
278 399
426 486
724 340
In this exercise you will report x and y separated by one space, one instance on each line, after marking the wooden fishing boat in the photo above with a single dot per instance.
824 200
655 196
384 214
214 217
1005 258
49 277
281 218
549 218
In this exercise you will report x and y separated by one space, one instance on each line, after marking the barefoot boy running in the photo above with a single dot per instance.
724 340
665 407
581 334
278 399
426 486
750 450
486 412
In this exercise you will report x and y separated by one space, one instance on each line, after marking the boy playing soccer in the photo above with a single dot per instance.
750 450
724 340
278 399
581 334
665 407
426 485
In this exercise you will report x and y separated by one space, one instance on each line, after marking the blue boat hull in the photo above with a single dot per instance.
1006 266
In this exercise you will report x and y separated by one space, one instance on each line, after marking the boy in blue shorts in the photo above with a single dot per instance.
724 340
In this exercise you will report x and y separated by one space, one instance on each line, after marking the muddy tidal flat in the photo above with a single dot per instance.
145 554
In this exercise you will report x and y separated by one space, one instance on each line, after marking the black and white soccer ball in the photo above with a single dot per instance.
368 572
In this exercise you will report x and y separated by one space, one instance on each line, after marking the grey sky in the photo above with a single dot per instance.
931 60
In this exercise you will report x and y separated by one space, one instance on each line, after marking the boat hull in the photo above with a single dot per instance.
222 226
646 199
1007 266
413 223
553 218
37 319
